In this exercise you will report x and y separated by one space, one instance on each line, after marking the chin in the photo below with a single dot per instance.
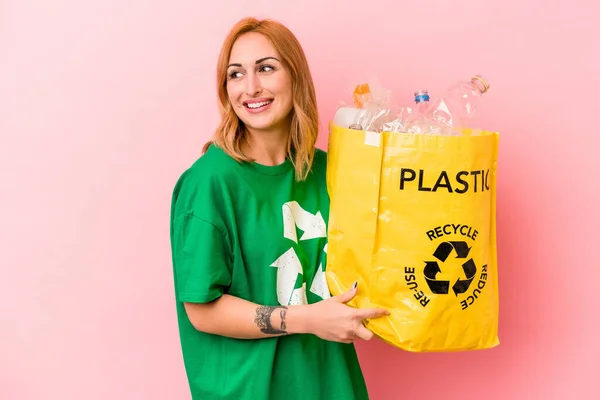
261 128
264 126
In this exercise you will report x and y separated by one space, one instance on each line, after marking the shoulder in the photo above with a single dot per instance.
319 165
199 185
202 171
320 155
213 165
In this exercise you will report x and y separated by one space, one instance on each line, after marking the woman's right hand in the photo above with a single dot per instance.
333 320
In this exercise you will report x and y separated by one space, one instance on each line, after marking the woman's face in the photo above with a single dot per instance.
258 86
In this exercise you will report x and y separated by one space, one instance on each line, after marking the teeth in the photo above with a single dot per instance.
256 105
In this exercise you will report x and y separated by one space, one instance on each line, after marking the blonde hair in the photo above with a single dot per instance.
229 135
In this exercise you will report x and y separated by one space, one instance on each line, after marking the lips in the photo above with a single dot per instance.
257 104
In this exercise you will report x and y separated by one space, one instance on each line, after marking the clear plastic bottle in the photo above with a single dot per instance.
457 107
371 108
350 116
417 121
422 101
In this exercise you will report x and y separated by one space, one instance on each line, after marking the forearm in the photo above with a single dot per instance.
238 318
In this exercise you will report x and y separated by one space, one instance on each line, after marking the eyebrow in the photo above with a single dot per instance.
257 61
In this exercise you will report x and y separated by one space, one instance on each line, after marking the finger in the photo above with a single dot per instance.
345 340
369 313
363 333
349 294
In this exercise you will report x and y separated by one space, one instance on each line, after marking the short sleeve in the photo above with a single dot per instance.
201 260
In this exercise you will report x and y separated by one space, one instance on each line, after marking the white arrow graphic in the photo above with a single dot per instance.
288 268
299 296
319 285
313 225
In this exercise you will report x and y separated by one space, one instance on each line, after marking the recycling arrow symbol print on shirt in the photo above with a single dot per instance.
288 265
442 253
313 225
288 268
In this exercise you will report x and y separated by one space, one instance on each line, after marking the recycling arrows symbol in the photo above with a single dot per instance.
288 265
442 253
288 268
313 225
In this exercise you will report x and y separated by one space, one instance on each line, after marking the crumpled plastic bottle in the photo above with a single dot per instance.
456 108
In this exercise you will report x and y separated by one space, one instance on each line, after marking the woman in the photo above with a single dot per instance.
248 233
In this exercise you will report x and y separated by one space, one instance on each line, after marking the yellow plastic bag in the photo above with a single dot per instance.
413 219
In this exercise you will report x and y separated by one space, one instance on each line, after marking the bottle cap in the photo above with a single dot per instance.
481 83
362 94
421 96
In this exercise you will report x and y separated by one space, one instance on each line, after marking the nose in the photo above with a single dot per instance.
253 86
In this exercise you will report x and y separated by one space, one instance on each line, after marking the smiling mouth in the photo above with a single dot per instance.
255 105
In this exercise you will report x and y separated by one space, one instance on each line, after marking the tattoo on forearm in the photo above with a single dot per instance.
282 314
263 319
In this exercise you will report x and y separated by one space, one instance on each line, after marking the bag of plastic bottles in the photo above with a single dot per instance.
413 217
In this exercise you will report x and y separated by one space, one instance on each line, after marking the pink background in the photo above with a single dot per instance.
104 103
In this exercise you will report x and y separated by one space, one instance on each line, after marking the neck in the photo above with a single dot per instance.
266 148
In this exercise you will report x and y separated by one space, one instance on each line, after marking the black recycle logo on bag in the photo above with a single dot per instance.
427 282
442 253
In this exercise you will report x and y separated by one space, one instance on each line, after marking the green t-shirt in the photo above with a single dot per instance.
254 232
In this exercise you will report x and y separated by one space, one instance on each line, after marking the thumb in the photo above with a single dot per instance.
349 294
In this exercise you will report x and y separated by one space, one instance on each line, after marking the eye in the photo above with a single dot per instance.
266 68
234 74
